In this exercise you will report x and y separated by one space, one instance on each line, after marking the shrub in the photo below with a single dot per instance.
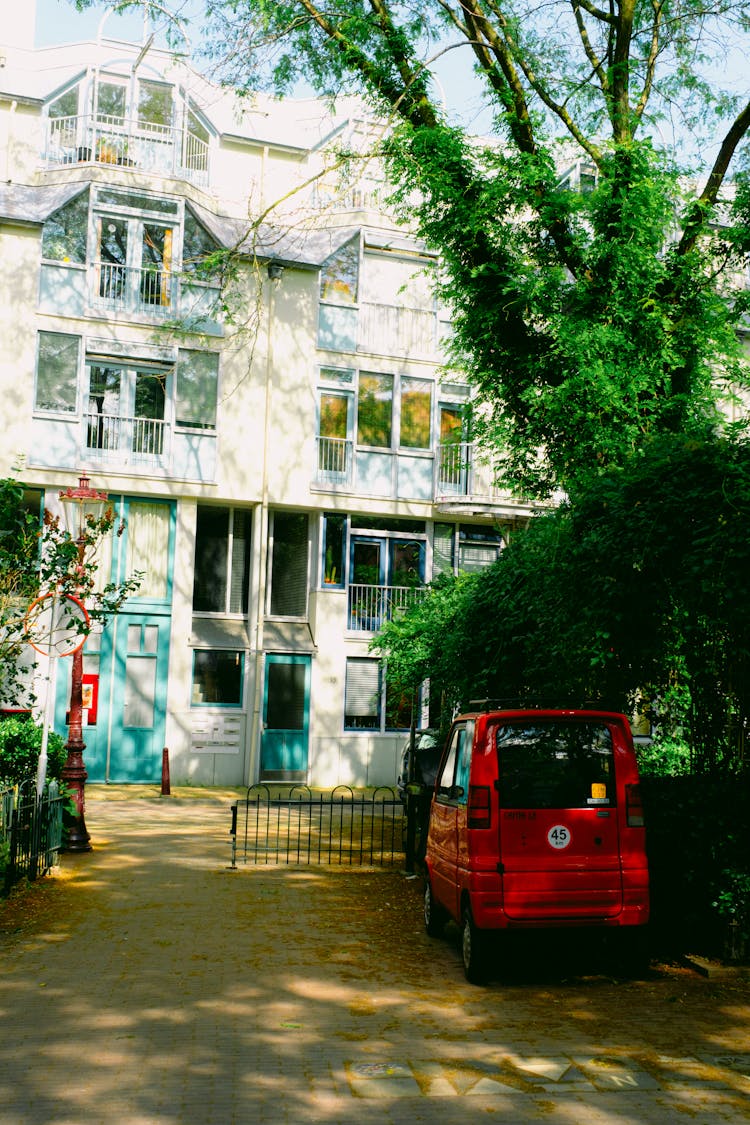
20 745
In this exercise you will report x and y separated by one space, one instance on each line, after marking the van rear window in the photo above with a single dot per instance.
555 765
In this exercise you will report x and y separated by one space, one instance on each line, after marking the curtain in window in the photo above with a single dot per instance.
289 565
57 372
476 556
362 701
442 549
210 567
197 382
148 547
240 572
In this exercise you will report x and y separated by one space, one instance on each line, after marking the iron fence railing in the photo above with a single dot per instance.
343 827
31 831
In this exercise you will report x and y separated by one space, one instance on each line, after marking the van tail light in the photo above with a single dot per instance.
634 806
479 812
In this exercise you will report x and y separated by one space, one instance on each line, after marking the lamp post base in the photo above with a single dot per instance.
74 776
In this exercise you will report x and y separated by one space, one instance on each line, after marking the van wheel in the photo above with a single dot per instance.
473 949
434 915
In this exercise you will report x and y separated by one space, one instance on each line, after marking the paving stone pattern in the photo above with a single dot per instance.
148 983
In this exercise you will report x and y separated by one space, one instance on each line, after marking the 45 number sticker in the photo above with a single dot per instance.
558 837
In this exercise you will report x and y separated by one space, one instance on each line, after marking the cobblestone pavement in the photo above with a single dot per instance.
148 982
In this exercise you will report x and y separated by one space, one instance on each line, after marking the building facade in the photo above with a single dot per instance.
275 426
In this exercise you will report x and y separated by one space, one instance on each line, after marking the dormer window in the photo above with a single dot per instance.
130 120
137 248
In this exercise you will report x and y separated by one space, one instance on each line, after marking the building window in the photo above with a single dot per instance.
197 385
465 549
364 705
416 413
64 232
221 574
126 408
57 372
217 678
362 694
339 275
375 410
198 248
379 426
289 564
334 549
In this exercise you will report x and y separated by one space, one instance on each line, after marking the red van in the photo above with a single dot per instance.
536 821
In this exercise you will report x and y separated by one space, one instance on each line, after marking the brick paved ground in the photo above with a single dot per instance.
149 983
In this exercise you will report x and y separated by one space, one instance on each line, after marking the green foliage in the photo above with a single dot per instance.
732 900
20 746
696 832
589 320
37 559
636 596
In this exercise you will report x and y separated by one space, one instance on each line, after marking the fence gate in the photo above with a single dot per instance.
341 828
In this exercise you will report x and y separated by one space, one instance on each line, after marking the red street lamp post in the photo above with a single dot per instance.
79 505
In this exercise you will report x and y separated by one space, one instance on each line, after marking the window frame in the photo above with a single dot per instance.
229 706
382 727
230 511
57 411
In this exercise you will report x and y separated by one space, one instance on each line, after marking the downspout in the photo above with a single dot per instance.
257 717
9 140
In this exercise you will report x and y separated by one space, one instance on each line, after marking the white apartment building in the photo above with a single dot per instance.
288 454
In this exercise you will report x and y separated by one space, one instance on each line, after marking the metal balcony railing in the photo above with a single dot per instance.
113 435
334 462
398 330
463 472
369 607
103 139
148 290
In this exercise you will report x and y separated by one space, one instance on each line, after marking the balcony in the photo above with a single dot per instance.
111 438
335 463
369 607
401 331
382 329
120 288
464 474
144 146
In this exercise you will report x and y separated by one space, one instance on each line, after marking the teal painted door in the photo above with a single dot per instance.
128 662
139 698
286 715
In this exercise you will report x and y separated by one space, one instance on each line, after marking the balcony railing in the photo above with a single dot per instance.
334 462
124 288
408 332
463 473
113 436
370 607
131 144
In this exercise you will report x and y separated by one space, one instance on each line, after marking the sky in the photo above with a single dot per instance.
59 22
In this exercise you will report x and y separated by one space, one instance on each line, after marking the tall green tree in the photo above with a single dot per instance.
591 313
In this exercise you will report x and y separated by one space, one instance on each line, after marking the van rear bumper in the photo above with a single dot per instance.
489 909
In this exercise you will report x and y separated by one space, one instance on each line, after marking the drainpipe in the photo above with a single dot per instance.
9 140
275 271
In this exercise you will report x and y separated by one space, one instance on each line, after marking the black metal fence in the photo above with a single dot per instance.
31 831
341 827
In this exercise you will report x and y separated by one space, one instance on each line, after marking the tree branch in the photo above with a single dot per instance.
697 217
